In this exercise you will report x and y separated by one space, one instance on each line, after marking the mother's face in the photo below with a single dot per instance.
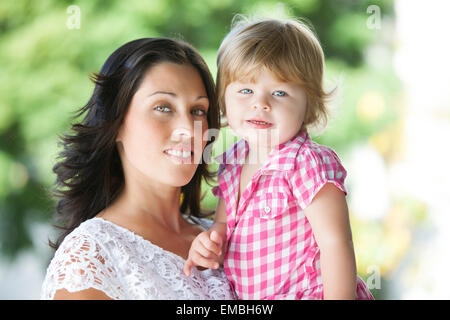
161 138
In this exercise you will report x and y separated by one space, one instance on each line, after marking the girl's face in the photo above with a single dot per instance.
161 137
265 111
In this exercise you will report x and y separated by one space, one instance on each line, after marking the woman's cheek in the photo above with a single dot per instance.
200 140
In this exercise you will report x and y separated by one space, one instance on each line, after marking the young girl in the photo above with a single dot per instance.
282 214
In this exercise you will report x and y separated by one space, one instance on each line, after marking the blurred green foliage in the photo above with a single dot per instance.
45 67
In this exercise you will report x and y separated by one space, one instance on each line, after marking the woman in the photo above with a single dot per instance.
122 175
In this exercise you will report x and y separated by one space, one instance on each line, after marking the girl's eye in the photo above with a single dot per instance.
199 112
246 91
279 93
164 109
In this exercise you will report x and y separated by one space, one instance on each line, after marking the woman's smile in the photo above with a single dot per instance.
180 154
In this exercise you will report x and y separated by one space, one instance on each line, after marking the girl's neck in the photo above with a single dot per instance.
257 155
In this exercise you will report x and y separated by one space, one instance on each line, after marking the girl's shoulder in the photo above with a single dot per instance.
317 154
310 154
314 166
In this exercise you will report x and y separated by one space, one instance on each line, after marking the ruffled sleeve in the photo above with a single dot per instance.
79 264
316 166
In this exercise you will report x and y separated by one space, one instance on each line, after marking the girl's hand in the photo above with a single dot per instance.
205 251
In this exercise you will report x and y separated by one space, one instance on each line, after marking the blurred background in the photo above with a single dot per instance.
390 123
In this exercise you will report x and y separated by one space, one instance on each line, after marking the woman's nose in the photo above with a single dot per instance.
181 133
185 128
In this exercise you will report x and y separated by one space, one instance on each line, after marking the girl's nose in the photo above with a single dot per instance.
261 103
264 107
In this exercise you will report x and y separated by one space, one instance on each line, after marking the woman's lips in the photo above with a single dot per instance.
180 155
258 124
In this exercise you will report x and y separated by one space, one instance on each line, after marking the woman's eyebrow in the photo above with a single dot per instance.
163 92
173 94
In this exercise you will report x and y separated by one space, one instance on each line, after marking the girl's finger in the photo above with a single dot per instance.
187 267
201 261
210 246
216 238
205 252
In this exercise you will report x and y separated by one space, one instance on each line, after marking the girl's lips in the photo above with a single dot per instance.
258 124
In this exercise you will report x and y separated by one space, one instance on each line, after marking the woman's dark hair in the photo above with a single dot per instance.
89 172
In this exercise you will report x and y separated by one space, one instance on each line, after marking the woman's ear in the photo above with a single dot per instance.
119 142
119 135
119 146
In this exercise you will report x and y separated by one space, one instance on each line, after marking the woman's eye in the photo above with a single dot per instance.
279 93
199 112
246 91
162 109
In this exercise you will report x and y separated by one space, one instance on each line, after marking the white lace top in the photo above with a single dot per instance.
102 255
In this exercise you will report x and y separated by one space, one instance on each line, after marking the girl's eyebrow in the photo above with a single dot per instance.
174 95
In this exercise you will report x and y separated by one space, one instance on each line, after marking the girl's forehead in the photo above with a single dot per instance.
253 75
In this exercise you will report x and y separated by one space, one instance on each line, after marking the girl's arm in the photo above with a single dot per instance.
207 249
329 219
220 220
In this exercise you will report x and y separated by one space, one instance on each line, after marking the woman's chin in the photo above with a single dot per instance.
178 182
180 176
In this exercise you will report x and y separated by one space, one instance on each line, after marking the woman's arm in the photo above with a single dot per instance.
329 219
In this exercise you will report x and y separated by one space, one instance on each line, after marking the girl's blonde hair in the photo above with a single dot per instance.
288 48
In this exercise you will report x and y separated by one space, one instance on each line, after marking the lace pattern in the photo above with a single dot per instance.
102 255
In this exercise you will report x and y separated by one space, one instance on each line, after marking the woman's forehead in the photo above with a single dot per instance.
168 76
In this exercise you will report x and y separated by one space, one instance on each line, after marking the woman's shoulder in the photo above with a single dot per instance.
83 236
89 234
205 223
81 262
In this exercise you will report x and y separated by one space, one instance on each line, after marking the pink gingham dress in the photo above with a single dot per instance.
272 253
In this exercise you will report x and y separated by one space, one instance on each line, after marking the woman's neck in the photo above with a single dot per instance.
148 204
